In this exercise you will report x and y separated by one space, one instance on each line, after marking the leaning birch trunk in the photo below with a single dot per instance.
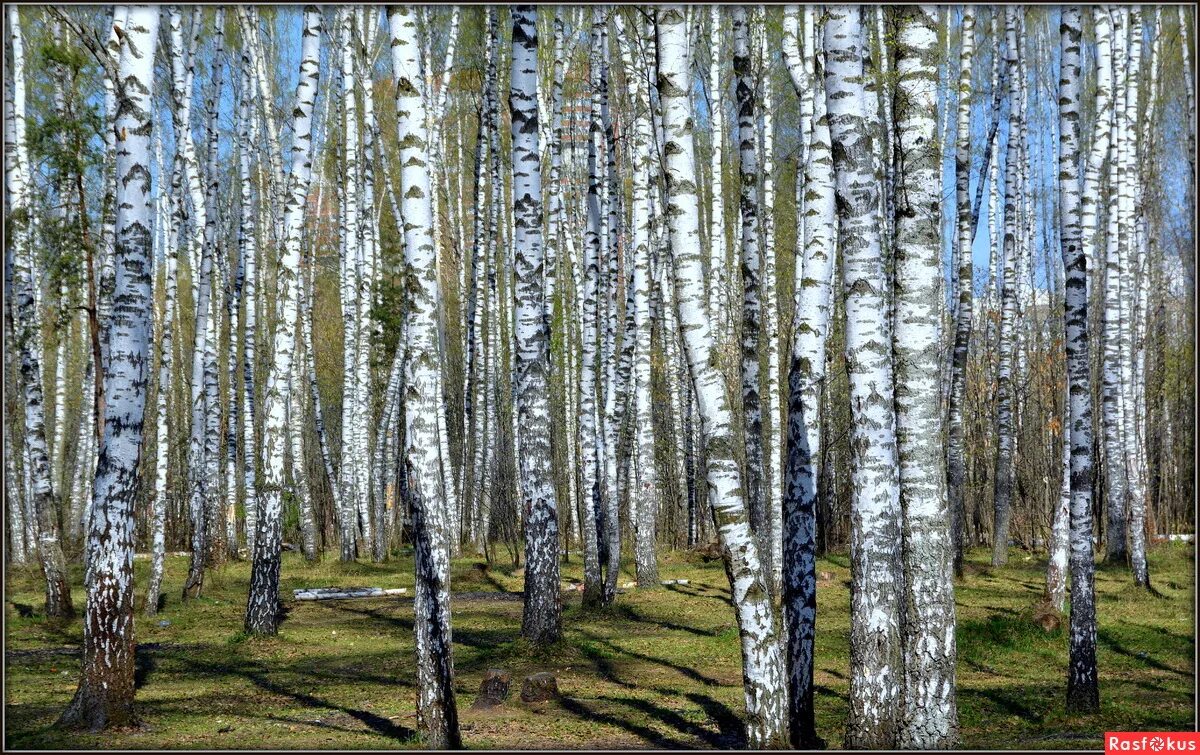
644 504
18 178
202 485
589 425
751 257
956 434
166 356
262 604
541 621
718 259
1082 688
806 384
1130 285
248 249
437 713
876 655
1005 435
1116 550
106 686
771 437
1060 527
762 664
930 718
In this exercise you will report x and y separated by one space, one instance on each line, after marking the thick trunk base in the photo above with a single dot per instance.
96 709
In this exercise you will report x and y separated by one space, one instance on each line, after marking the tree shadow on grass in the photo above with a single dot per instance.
688 672
257 676
651 736
727 736
693 592
1107 639
1008 699
628 612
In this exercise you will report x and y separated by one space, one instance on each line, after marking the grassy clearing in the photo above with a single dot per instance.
659 669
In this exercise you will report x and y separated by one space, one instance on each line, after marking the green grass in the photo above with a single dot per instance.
659 669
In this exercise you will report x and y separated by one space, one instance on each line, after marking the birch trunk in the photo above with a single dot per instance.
930 719
437 714
541 621
762 664
589 425
202 490
644 506
262 614
751 260
106 687
772 496
1116 548
19 179
956 453
718 260
1005 435
1082 677
876 653
806 385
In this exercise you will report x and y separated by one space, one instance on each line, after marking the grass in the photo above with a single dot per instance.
659 669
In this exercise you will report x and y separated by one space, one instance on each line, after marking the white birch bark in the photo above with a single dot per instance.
875 641
18 179
1082 677
1132 294
762 664
751 263
263 600
248 230
956 453
644 504
1009 323
718 260
590 427
930 718
771 404
806 385
1116 549
437 716
105 694
541 620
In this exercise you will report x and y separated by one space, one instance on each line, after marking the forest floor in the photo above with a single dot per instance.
659 669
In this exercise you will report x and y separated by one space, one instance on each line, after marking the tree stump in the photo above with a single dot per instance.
493 690
539 688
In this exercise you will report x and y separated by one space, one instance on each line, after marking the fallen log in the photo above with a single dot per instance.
345 593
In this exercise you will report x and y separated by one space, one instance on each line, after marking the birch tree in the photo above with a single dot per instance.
262 604
1005 434
541 622
751 257
589 426
876 653
806 384
437 713
1116 548
930 717
956 453
19 180
762 664
1082 676
106 687
718 260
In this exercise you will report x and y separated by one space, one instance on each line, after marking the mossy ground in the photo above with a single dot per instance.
659 669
